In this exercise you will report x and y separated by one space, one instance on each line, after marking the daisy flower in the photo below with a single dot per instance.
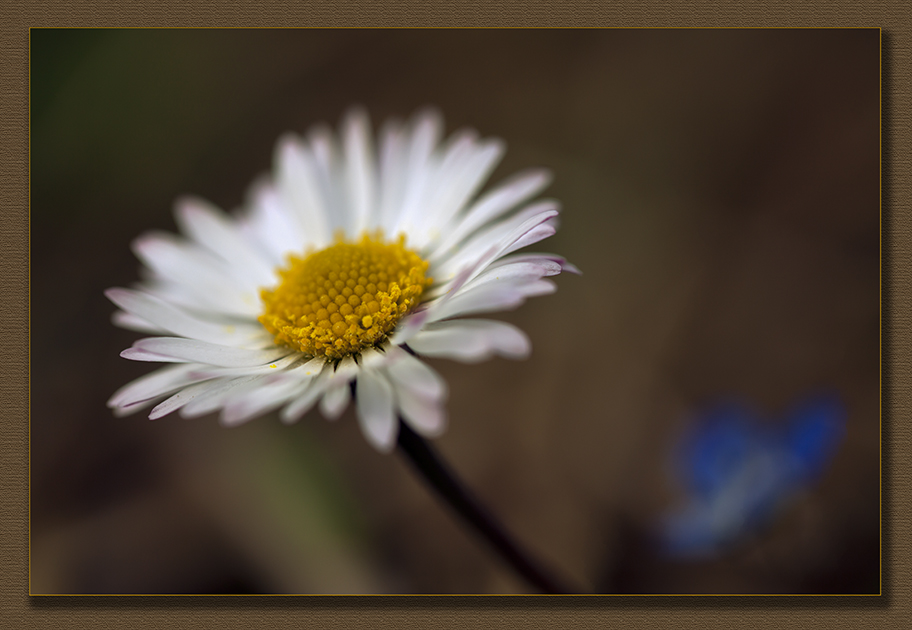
346 267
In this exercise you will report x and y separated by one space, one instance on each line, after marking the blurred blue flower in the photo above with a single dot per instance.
738 472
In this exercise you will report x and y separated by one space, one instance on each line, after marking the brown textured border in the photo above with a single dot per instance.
17 610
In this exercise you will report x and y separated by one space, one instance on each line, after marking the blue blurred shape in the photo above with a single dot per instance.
815 429
738 472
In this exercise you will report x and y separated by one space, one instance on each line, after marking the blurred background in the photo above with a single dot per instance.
721 195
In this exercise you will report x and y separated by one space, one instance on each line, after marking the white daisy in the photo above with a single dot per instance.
345 267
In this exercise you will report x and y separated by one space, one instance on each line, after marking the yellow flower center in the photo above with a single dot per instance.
346 297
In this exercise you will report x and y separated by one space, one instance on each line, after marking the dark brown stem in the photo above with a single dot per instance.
436 473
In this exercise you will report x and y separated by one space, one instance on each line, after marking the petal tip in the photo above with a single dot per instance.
570 268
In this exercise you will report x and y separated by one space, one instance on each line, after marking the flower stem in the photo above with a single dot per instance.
436 473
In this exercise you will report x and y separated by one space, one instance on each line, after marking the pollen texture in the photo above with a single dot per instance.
344 298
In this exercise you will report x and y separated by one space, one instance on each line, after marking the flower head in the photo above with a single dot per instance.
344 268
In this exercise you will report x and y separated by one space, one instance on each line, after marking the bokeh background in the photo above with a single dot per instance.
721 194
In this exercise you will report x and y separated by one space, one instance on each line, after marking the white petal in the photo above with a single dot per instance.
280 368
489 297
271 225
471 340
178 322
313 367
536 234
217 396
266 397
202 391
298 186
549 262
455 177
334 401
428 126
375 410
345 372
162 381
361 171
325 153
427 417
305 399
204 276
211 228
511 270
444 181
545 259
338 390
494 204
132 322
495 241
238 306
374 358
570 268
208 353
391 174
138 354
518 272
468 178
413 374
